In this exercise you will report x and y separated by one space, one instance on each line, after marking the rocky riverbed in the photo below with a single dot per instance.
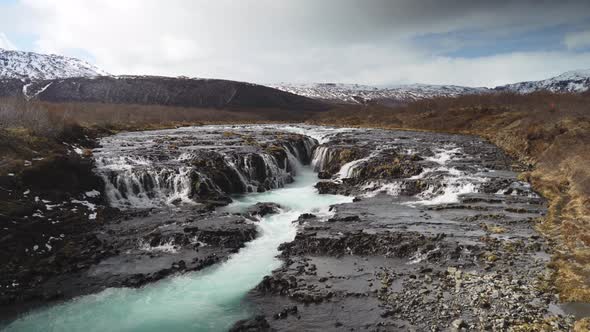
138 208
439 236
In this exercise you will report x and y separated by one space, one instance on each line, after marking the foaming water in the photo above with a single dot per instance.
454 183
208 300
446 183
154 169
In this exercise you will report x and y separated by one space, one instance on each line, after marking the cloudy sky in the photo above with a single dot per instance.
380 42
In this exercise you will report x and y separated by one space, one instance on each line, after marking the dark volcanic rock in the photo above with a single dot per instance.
255 324
327 187
11 88
131 250
62 175
263 209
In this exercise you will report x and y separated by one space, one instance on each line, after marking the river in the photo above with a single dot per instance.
209 300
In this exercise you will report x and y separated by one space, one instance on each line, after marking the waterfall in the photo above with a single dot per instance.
321 156
275 175
349 169
237 170
150 174
294 159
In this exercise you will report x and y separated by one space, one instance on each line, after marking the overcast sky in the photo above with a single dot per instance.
379 42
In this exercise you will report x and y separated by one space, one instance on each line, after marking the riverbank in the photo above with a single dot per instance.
48 193
548 132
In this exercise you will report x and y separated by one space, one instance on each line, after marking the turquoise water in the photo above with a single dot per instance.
209 300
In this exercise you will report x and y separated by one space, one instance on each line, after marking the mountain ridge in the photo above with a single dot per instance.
42 74
575 81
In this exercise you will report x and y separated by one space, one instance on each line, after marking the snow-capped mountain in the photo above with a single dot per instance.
355 93
572 81
35 66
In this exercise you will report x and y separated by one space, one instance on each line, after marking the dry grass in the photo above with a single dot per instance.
549 132
128 117
583 325
18 113
49 119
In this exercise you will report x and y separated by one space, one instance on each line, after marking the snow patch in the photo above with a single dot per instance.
168 247
93 193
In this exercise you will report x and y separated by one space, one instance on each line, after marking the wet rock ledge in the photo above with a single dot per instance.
440 238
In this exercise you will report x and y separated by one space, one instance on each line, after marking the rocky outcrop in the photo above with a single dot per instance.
255 324
260 210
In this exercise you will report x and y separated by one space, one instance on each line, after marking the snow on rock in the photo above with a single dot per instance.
92 193
355 93
91 207
34 66
572 81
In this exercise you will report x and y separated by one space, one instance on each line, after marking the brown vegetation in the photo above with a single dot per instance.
18 113
46 117
548 132
130 117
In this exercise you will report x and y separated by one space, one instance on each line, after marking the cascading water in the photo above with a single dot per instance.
350 169
168 167
454 182
321 156
208 300
445 183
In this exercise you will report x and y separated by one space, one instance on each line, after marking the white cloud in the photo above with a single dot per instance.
496 70
5 43
577 40
296 40
383 66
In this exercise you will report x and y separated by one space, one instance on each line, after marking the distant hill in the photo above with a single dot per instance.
167 91
362 94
